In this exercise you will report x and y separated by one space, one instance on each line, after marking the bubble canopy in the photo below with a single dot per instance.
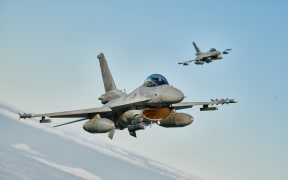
155 80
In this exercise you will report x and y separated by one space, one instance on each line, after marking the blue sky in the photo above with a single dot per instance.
48 61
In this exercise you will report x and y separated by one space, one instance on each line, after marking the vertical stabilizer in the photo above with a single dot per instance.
108 81
196 48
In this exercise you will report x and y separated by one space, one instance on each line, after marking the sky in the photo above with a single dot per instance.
48 56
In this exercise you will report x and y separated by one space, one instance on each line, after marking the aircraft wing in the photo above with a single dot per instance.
84 113
184 105
186 62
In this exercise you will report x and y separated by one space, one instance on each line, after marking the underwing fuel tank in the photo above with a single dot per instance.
199 62
101 125
175 119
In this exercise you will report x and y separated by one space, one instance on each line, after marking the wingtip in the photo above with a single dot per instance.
25 115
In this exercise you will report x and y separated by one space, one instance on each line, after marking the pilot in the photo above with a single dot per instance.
149 84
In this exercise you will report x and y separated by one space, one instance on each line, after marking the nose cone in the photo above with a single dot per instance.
219 57
171 95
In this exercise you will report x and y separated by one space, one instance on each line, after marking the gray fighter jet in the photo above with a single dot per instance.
205 57
155 101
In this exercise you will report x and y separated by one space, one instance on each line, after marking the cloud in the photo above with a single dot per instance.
100 146
8 107
114 152
25 148
81 173
175 173
8 113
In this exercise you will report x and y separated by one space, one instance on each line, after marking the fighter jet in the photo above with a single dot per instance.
153 102
205 57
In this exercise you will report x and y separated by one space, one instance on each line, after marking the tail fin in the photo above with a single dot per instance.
196 48
108 81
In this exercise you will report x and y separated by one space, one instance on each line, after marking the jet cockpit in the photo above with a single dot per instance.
155 80
212 49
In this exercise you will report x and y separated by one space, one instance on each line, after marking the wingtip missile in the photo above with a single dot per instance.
233 101
224 101
227 101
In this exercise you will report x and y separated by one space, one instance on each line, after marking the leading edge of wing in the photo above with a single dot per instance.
75 113
182 105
